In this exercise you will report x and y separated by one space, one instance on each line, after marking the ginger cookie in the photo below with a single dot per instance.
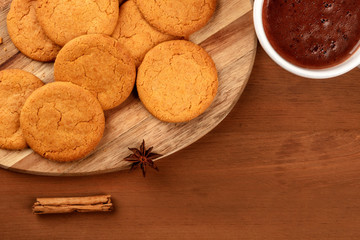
177 17
15 86
64 20
135 33
62 121
99 64
27 34
177 81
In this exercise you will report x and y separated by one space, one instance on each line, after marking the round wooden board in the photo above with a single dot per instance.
230 40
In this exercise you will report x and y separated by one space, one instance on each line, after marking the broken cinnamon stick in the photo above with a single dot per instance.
73 204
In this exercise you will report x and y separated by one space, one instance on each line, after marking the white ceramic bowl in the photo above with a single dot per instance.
337 70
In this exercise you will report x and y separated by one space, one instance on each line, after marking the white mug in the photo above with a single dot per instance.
341 68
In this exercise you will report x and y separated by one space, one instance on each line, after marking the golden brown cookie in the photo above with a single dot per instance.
177 81
101 65
135 33
62 121
63 20
177 17
15 86
26 33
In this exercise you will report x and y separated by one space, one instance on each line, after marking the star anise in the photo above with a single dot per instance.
142 157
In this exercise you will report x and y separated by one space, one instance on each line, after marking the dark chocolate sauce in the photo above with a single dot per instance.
313 33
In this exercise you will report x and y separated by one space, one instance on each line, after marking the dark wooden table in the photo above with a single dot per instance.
285 164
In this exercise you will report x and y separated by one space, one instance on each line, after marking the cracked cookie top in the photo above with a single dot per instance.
27 34
177 17
62 121
63 20
135 33
177 81
101 65
15 86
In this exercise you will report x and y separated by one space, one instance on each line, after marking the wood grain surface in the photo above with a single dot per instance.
230 40
283 165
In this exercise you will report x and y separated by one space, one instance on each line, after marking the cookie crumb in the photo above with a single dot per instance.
5 49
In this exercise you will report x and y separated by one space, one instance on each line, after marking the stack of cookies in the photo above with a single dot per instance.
101 49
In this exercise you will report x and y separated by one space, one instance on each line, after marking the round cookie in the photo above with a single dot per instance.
63 20
135 33
62 121
15 86
27 34
177 17
177 81
99 64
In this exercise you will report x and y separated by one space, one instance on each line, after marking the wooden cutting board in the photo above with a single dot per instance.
230 40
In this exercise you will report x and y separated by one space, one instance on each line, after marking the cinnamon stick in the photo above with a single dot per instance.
73 204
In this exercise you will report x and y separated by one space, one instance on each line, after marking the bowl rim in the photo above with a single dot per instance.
352 62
